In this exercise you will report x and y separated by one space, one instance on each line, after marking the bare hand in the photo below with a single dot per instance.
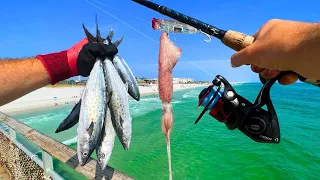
281 46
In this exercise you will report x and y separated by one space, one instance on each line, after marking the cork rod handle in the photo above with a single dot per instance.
236 40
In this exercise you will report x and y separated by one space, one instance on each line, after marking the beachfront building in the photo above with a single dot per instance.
175 81
151 81
182 80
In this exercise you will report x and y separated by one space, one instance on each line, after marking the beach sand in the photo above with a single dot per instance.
48 97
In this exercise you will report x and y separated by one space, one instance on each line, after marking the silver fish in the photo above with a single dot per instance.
92 112
127 76
118 104
106 142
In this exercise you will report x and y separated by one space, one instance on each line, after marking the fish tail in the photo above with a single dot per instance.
71 120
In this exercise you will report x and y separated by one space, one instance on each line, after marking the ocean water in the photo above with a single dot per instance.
207 150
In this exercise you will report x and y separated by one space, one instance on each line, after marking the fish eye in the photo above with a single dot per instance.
85 154
102 156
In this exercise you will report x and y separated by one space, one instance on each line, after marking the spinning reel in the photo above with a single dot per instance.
235 111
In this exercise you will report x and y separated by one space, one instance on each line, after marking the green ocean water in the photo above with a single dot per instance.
207 150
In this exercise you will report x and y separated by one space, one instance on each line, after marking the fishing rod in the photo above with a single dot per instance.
233 39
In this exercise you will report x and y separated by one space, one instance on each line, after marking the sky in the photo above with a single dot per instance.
36 27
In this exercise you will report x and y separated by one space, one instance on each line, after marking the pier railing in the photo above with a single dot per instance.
50 147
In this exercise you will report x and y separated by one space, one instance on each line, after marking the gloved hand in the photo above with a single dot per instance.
78 60
90 52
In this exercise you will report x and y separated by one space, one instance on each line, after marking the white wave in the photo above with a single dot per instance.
237 83
190 94
154 99
175 102
71 141
40 119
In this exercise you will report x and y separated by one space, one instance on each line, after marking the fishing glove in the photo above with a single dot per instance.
78 60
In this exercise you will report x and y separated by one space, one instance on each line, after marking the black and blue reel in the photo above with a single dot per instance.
235 111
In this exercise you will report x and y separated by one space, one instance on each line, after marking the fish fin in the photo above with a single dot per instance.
121 121
110 36
126 85
90 129
98 37
117 43
90 37
108 96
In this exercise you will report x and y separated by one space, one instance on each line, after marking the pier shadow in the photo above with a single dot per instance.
73 161
106 174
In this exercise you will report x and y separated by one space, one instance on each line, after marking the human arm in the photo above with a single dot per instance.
19 77
282 45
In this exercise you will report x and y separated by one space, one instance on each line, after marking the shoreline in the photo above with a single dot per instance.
53 97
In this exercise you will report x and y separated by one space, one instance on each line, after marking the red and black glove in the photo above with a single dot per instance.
78 60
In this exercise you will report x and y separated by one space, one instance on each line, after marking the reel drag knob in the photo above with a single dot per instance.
256 125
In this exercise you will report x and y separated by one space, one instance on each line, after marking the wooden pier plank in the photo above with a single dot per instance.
62 152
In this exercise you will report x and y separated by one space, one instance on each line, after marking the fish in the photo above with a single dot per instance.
127 76
169 55
71 120
92 112
106 142
118 104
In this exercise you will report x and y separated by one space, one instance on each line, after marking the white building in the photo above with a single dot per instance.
182 80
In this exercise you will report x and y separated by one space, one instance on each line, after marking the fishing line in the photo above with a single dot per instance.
121 11
201 68
123 22
135 29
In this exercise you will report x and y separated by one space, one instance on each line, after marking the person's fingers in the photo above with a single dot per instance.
269 74
288 79
242 57
256 69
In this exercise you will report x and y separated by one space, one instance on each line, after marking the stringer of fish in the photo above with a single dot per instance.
103 109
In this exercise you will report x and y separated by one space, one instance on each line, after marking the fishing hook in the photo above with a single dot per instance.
206 35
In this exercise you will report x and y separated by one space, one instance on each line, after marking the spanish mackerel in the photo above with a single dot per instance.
127 76
106 141
118 104
92 112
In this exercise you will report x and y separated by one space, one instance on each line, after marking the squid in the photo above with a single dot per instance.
169 55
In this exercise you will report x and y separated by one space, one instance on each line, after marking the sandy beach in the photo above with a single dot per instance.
47 97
